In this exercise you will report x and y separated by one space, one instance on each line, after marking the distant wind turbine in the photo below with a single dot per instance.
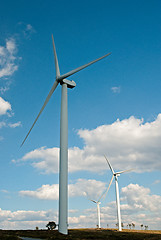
63 162
116 175
98 212
103 195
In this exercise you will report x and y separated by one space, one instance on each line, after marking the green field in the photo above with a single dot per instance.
110 234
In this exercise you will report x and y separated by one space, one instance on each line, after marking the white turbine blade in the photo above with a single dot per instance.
46 101
80 68
109 164
105 193
56 59
124 171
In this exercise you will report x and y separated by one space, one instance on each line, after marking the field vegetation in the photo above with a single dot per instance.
82 234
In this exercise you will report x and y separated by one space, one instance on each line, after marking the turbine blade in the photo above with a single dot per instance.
125 171
93 201
56 59
105 193
109 164
80 68
46 101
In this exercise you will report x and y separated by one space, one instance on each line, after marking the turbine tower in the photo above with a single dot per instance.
116 175
63 162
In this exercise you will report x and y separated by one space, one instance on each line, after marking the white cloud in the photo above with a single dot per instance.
5 109
128 143
138 205
5 88
89 188
141 206
4 106
22 219
116 89
139 198
26 29
8 58
11 47
45 192
29 30
82 187
44 159
14 125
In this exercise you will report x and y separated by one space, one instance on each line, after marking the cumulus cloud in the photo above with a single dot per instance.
43 159
82 187
11 125
140 199
8 58
22 219
5 109
49 192
138 205
4 106
128 143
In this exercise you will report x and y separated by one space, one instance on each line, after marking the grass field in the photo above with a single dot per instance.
82 234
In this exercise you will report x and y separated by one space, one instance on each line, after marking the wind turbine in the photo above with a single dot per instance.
116 175
98 212
98 206
63 162
98 209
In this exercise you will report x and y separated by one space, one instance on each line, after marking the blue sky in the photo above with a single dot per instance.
113 110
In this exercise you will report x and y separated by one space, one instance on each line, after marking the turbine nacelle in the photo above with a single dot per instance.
70 84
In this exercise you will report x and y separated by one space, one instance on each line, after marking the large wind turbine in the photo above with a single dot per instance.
116 175
63 162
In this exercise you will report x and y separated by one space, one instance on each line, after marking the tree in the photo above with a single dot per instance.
51 225
146 227
37 228
141 226
122 225
130 225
